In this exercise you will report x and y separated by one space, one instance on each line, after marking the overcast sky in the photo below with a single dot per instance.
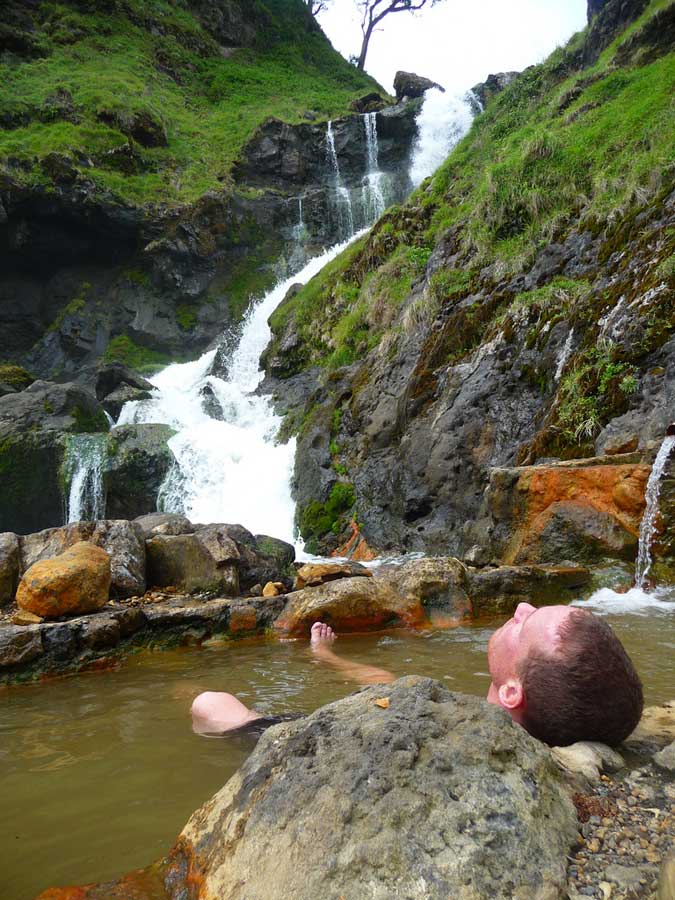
458 43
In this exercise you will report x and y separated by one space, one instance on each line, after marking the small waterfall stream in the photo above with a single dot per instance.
372 193
648 524
83 466
442 123
343 200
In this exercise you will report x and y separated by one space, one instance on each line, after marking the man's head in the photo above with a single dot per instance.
563 674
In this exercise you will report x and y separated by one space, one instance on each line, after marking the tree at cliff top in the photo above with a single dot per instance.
154 101
374 11
317 6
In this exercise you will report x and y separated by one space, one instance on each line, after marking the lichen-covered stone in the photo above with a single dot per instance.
76 582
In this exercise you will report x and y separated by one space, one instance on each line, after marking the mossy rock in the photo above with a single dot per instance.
30 473
15 376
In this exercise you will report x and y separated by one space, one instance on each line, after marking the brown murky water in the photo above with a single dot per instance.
99 772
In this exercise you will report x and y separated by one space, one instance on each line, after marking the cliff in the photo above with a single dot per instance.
519 309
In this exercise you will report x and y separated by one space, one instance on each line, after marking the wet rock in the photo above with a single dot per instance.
666 757
99 633
164 523
20 644
116 399
180 614
348 604
184 562
500 590
9 566
436 796
116 385
123 541
588 758
407 84
44 406
60 640
438 584
138 461
77 581
320 573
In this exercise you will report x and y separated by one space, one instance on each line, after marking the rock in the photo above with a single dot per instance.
437 795
59 640
15 377
76 582
625 877
655 729
142 126
19 644
108 378
500 590
116 399
9 566
123 541
666 757
99 633
438 584
218 543
320 573
666 886
371 102
164 523
186 563
273 589
484 91
575 530
22 617
44 406
587 758
407 84
348 604
138 462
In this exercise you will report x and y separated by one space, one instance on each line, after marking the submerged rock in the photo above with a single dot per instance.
77 581
431 795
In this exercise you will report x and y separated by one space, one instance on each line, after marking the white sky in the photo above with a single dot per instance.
459 42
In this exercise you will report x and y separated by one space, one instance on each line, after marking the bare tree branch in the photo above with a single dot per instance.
316 6
374 11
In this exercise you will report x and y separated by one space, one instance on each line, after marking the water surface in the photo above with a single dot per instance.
100 771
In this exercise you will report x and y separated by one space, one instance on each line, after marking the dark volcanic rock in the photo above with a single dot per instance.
437 795
138 461
484 91
111 377
407 84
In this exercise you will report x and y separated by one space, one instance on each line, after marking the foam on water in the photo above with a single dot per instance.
230 470
442 123
633 602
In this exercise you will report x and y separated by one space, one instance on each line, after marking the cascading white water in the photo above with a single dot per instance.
372 192
442 123
84 463
565 354
648 524
228 470
343 200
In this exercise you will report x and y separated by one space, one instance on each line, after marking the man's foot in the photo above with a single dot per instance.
321 635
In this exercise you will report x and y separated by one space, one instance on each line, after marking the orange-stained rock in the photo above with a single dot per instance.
76 582
356 548
273 589
23 617
580 510
243 618
319 573
348 604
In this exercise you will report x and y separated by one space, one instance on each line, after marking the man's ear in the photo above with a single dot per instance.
511 696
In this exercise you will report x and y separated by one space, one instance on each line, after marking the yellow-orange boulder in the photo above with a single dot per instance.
76 582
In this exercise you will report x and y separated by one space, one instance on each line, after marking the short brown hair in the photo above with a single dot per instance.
588 690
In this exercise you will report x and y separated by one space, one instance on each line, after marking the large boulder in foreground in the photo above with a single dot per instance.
437 795
76 582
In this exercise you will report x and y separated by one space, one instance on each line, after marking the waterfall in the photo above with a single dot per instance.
372 195
565 354
343 200
230 470
648 524
442 123
83 467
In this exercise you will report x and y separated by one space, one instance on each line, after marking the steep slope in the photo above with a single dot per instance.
520 307
127 229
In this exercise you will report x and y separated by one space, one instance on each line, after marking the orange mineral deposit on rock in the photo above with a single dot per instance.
76 582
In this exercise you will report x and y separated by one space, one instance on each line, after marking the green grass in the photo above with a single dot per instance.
112 64
122 349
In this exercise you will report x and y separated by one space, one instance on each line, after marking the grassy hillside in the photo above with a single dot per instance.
143 99
565 146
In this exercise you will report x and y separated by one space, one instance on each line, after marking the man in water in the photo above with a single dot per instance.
559 671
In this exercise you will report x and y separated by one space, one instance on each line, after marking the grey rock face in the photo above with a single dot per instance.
10 566
185 562
484 91
138 461
439 795
44 406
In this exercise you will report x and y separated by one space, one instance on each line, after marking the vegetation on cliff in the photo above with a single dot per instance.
154 101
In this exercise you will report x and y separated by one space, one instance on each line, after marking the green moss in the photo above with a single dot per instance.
70 309
15 376
318 519
186 316
137 276
88 422
666 269
122 349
